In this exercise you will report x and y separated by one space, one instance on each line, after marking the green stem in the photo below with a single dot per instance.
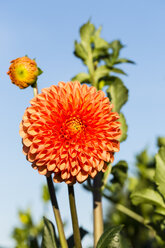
54 199
56 212
127 211
35 91
35 88
130 213
97 209
134 216
76 231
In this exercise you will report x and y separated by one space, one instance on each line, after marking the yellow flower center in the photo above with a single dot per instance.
72 126
21 72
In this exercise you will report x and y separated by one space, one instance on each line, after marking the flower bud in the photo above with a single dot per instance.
23 72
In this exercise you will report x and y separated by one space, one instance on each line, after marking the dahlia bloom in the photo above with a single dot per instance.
23 72
71 131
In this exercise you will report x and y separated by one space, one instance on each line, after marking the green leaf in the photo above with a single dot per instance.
122 60
118 93
99 54
132 183
161 141
25 217
125 242
39 71
117 70
119 172
98 41
147 196
160 170
48 238
116 46
143 158
101 71
80 51
148 173
110 238
160 210
82 77
124 128
86 31
45 194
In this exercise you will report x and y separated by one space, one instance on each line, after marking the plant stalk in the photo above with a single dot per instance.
130 213
97 209
134 216
53 198
56 212
76 231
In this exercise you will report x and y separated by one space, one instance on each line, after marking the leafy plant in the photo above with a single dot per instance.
140 205
28 234
101 58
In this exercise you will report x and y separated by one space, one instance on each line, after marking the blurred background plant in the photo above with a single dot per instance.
138 200
28 233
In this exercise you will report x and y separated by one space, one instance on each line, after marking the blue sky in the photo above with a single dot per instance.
46 30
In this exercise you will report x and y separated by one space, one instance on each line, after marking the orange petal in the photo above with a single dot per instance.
81 176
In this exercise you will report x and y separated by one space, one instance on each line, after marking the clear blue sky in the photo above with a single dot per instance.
46 30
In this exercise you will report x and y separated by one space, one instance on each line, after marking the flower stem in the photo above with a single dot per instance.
97 208
56 212
35 88
76 231
54 199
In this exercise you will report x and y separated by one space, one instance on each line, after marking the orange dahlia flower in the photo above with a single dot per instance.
71 131
23 72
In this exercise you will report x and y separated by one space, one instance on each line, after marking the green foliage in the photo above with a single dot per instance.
119 173
114 187
160 170
101 58
153 195
93 50
147 196
82 77
161 141
140 205
124 128
110 238
39 71
45 194
48 237
28 234
118 93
